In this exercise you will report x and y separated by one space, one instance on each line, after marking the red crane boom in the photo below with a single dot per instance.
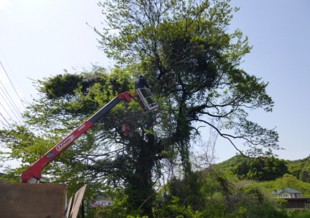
33 173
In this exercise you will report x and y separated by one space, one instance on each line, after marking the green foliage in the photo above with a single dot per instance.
188 191
295 167
305 174
218 197
253 201
61 85
300 169
117 209
181 211
274 174
25 145
66 85
299 213
192 63
288 181
260 169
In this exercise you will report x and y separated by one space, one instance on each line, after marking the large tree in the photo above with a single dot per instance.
192 63
192 60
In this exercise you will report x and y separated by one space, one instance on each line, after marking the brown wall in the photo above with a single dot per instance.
298 203
32 200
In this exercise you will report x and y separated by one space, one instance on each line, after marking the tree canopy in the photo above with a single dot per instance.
193 63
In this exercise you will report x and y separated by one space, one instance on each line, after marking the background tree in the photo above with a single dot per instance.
300 168
260 169
305 173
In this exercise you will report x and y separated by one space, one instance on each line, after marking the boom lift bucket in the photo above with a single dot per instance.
145 96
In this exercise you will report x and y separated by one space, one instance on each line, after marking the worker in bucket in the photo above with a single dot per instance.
141 83
144 93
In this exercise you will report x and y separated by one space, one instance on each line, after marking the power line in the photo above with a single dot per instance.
7 75
11 105
4 120
10 102
14 112
4 108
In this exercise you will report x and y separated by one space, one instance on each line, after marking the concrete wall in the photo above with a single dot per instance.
32 200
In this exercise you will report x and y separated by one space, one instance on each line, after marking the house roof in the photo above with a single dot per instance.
286 190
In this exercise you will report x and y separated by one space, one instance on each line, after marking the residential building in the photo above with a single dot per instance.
287 193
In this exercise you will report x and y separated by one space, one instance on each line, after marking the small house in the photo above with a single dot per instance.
287 193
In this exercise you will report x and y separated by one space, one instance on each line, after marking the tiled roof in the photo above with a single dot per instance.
286 190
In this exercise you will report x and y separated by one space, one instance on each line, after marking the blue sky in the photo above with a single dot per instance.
279 32
41 38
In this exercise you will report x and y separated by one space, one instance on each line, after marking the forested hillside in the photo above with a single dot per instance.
271 173
300 169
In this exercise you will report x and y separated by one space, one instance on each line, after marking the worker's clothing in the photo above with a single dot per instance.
125 129
141 83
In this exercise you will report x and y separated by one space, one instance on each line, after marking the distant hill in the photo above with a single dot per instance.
300 168
241 166
270 174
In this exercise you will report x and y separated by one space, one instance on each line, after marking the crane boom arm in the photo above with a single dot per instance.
33 173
